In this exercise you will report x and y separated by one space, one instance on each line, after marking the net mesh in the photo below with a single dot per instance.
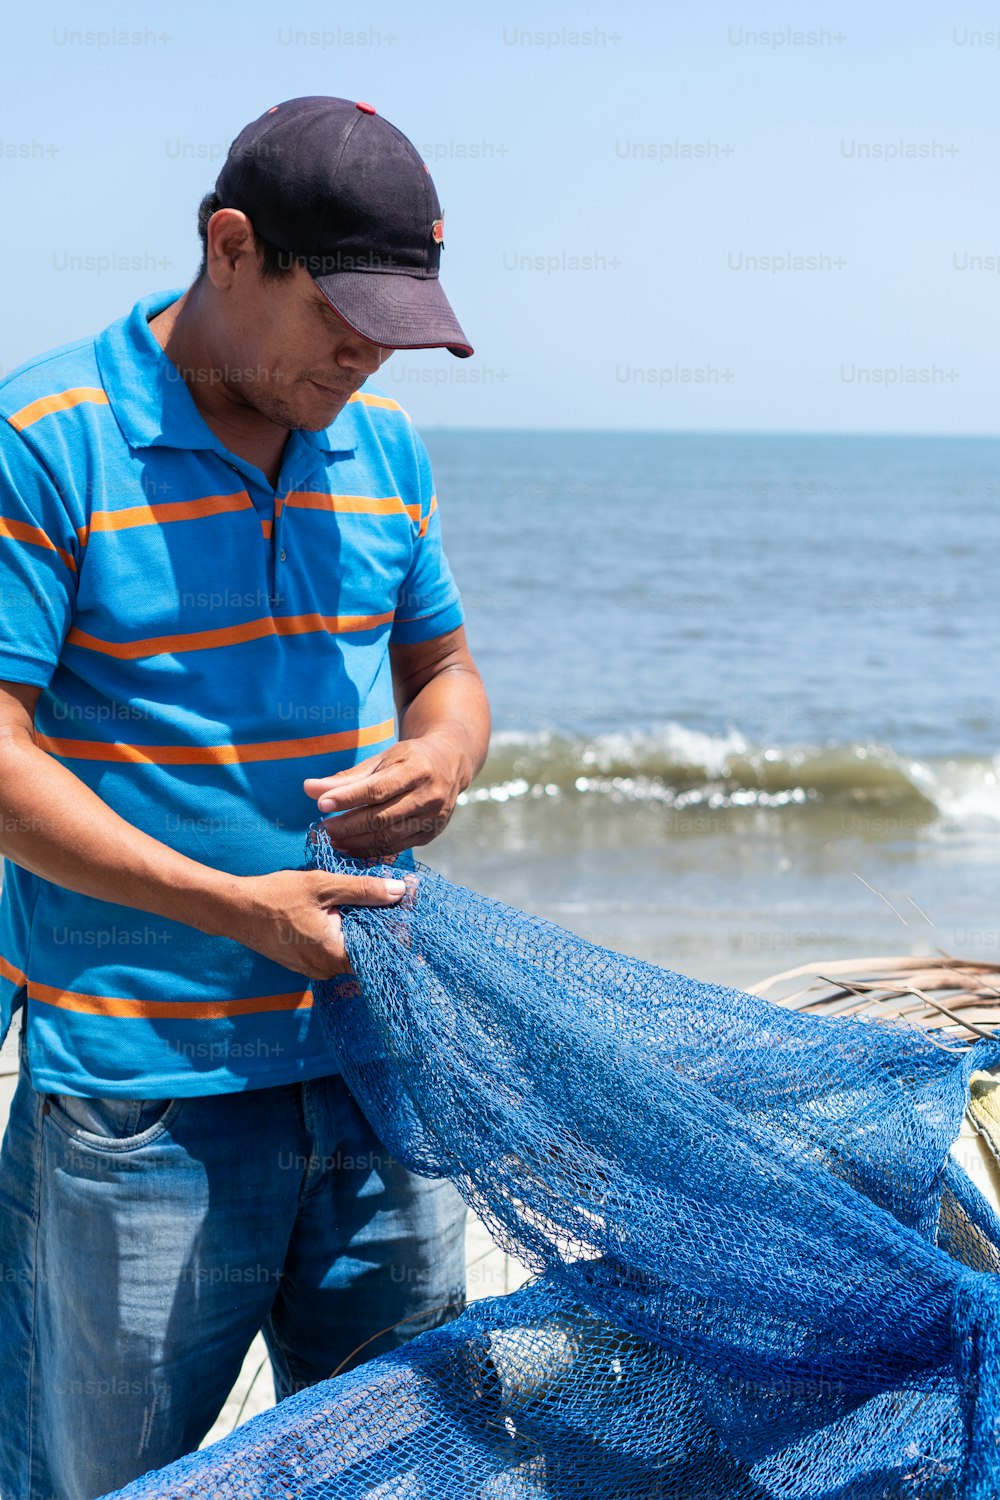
757 1271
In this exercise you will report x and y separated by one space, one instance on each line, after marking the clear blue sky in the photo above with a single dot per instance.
668 149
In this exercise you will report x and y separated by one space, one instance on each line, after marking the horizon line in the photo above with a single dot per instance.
819 432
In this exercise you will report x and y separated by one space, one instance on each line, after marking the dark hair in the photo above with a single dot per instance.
275 264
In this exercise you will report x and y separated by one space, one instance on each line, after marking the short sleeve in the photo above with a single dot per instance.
39 562
429 603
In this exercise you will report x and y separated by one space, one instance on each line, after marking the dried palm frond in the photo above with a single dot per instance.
957 1001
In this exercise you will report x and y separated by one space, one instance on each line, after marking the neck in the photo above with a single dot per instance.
185 333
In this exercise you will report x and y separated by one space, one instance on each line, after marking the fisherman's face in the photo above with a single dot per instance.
298 361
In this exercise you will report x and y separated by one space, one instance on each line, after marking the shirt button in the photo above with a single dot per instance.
281 555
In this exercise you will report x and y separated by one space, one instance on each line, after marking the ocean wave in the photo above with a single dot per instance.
683 768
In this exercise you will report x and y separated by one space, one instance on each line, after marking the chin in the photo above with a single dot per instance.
317 424
307 416
328 409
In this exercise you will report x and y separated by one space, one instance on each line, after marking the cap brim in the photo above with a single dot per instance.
395 311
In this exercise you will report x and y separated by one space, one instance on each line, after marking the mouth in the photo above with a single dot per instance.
335 393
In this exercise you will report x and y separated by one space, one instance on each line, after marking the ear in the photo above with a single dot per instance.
230 241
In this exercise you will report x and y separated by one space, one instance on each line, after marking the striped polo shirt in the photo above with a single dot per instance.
203 643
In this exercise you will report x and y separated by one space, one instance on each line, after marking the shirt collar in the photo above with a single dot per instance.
150 400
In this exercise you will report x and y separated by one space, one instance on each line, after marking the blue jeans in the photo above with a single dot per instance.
144 1243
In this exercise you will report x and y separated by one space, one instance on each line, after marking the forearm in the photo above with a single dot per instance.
405 795
452 708
56 827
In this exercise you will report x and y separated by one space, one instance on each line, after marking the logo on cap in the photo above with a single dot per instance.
437 231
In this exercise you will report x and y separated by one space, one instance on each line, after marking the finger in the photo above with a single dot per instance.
384 785
319 832
338 960
352 781
315 786
361 822
401 835
349 794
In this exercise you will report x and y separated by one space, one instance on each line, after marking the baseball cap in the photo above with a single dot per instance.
331 181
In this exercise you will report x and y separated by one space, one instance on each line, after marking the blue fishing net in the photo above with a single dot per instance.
759 1275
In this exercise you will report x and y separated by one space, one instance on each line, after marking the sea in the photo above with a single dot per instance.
745 710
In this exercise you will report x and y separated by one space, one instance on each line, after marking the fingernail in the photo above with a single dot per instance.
395 887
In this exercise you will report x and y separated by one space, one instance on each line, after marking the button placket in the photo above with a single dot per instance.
270 545
280 506
278 551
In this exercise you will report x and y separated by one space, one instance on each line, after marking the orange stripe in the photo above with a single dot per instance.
19 531
7 971
173 510
166 1010
227 635
366 505
267 527
430 511
216 755
35 410
385 402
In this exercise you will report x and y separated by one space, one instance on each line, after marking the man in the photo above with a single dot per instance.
220 562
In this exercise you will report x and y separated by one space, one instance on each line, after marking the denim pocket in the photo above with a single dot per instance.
110 1124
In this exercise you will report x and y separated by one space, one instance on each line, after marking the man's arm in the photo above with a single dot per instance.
56 827
440 694
406 795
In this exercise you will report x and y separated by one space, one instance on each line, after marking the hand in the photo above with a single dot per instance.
293 916
404 795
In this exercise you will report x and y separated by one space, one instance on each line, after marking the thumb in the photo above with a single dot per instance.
359 890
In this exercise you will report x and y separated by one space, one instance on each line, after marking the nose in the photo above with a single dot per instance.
359 353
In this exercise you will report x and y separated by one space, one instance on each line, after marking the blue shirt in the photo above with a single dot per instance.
203 643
